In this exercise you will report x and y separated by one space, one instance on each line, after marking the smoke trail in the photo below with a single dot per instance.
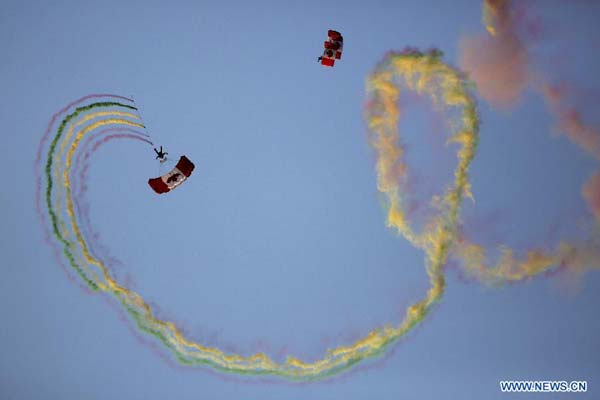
62 111
439 238
424 73
591 194
501 74
498 63
570 121
85 153
75 124
55 221
37 167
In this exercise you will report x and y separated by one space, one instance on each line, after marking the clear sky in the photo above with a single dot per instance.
278 242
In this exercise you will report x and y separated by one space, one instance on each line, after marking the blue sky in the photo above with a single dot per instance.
281 241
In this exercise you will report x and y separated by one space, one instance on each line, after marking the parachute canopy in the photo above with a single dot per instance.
174 178
332 48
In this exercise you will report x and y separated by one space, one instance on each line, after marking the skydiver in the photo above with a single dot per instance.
161 155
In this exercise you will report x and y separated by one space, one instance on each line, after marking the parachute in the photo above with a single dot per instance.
332 48
173 178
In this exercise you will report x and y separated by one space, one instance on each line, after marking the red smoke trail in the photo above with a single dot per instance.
82 166
498 61
502 66
83 149
569 120
591 194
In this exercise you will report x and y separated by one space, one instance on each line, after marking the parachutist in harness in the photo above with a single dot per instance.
161 155
328 53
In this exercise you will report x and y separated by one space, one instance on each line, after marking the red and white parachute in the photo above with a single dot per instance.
332 48
173 178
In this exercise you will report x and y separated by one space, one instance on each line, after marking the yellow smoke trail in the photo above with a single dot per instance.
67 184
427 75
85 118
496 15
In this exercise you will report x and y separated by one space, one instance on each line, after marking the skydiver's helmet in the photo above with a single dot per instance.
329 53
